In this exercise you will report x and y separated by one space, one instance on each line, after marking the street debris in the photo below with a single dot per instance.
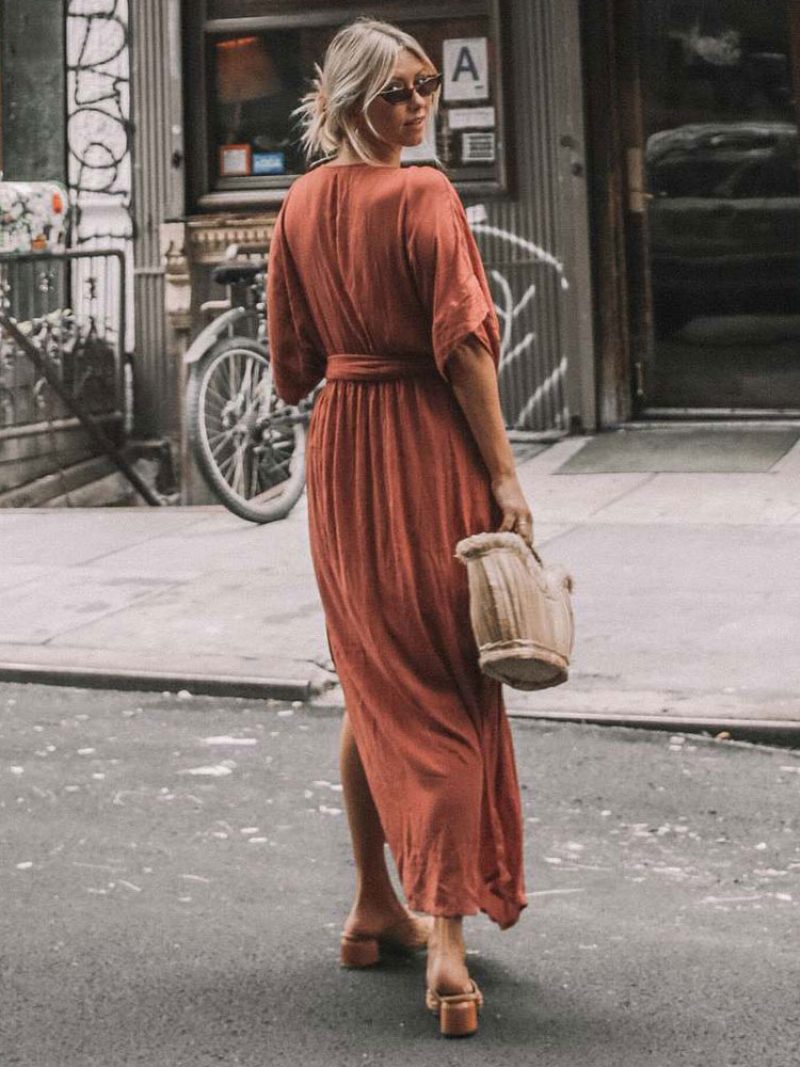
553 892
216 770
225 739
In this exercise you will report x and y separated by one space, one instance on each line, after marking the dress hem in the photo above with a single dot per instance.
505 916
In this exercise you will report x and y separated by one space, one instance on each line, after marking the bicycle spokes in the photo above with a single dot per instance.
250 432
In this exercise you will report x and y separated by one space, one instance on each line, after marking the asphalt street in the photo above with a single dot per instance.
175 872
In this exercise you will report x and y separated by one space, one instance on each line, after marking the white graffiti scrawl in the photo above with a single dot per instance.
99 139
518 335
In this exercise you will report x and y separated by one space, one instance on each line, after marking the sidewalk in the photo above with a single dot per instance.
687 598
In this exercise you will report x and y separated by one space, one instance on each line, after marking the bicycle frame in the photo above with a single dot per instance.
221 326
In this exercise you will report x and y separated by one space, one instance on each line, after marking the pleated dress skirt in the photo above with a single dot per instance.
395 479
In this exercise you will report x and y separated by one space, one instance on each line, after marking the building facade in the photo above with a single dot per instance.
630 168
512 79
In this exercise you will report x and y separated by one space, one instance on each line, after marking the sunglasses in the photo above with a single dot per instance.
423 86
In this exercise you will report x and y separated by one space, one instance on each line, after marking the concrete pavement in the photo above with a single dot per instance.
687 598
175 873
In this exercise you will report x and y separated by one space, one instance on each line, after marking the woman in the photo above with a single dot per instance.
375 284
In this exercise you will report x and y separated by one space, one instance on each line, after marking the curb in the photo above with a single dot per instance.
767 729
321 692
157 681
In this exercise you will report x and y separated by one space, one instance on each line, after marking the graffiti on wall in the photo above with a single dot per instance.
514 291
99 131
99 141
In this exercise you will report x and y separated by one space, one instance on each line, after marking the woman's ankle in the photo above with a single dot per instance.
378 904
447 970
448 933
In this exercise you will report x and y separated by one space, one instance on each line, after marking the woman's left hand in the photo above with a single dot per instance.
516 513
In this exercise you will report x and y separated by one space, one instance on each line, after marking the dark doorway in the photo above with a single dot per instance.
717 165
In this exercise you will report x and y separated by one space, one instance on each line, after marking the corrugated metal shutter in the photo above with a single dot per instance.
521 241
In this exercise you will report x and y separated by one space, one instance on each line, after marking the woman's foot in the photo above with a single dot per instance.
394 925
447 970
451 993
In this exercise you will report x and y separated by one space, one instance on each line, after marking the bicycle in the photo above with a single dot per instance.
249 445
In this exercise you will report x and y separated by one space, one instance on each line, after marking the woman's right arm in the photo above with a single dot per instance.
473 376
294 347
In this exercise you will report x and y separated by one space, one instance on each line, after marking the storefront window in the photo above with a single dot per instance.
257 81
252 61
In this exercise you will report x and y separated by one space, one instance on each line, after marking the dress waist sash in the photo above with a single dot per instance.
360 367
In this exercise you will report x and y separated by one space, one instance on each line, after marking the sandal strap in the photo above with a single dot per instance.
435 1000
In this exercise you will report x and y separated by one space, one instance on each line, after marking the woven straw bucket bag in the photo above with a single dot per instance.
520 609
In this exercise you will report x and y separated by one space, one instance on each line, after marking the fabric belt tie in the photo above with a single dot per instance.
360 367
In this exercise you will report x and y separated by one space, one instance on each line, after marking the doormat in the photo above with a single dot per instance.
682 451
524 450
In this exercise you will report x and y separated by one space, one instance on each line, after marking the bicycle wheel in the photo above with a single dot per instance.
249 445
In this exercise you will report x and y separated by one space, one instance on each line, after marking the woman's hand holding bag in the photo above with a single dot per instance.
511 500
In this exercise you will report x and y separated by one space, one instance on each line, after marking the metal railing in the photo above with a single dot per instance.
71 306
62 337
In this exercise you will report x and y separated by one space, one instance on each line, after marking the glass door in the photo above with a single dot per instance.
720 87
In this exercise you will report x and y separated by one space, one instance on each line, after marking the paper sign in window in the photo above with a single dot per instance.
465 65
478 146
234 160
472 118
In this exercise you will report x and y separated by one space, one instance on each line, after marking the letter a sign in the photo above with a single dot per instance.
465 68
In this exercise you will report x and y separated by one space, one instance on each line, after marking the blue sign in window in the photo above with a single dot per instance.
269 163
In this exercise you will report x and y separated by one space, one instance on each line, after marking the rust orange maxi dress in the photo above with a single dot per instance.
374 277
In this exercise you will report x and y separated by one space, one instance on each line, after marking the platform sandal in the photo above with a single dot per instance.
363 950
458 1012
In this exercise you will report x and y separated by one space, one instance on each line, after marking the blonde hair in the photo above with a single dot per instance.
358 63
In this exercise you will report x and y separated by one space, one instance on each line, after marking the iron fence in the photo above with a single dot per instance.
71 306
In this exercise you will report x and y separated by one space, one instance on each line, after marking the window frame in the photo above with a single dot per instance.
272 189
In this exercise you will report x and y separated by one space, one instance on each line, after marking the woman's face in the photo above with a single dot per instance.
402 124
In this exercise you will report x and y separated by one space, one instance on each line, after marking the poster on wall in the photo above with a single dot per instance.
465 66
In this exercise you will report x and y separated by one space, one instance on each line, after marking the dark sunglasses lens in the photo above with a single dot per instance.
429 85
425 88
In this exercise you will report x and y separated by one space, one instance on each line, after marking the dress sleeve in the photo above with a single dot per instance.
447 268
298 362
